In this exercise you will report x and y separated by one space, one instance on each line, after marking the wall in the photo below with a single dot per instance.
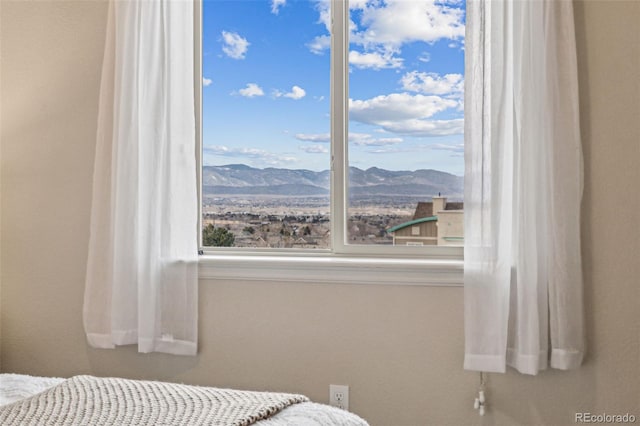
399 348
0 198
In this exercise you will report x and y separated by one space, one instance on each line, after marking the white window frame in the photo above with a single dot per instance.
343 263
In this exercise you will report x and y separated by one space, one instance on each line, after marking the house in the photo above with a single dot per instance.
399 348
436 222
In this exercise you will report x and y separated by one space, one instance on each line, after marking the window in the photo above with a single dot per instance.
321 138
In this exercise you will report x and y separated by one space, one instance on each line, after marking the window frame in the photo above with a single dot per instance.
350 263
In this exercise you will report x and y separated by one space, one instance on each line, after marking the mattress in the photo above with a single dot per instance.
18 387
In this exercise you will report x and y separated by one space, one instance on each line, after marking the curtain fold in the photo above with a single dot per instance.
523 188
141 283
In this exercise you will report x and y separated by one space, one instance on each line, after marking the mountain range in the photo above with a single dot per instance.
240 179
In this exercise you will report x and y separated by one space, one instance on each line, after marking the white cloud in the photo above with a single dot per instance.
379 142
388 151
323 42
365 139
259 156
457 148
418 127
295 93
358 137
397 106
252 90
432 83
324 9
362 139
357 4
384 26
276 5
313 137
395 22
319 44
206 81
424 57
407 114
235 46
374 60
314 149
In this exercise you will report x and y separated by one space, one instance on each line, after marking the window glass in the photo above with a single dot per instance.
265 119
406 68
266 124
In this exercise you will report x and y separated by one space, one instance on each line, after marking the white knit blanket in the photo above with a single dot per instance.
14 387
87 400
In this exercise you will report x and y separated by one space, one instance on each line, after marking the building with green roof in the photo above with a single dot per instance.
434 223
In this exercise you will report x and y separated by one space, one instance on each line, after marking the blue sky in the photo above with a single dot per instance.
266 84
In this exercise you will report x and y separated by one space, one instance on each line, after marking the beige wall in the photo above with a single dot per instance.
427 234
399 348
450 225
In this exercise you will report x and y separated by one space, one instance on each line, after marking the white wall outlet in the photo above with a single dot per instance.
339 396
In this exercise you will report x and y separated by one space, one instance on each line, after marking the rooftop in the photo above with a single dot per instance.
412 222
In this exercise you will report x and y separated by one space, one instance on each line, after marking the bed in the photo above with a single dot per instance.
88 400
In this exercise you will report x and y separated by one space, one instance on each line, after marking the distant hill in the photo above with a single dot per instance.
240 179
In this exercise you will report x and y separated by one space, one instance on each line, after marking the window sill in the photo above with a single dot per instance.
331 269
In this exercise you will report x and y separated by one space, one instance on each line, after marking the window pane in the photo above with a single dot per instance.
266 146
405 149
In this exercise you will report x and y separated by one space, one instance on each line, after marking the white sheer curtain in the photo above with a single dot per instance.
523 188
141 284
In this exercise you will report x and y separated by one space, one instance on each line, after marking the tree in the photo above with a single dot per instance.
249 230
217 237
284 232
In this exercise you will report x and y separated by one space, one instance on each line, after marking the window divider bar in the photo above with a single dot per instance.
339 122
197 76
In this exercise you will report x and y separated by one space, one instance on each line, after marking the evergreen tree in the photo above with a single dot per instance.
217 237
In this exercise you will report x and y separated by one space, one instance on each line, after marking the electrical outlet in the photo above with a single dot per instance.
339 396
